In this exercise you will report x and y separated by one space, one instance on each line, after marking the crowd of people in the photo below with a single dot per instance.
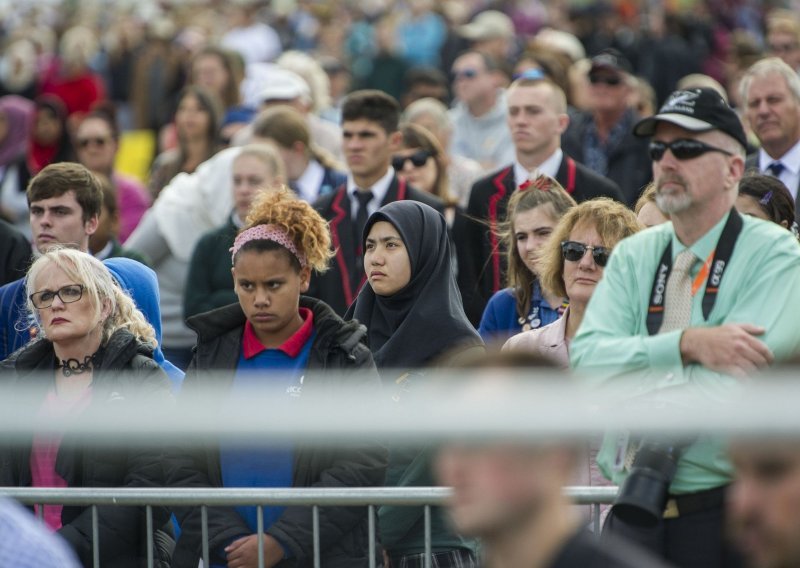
358 195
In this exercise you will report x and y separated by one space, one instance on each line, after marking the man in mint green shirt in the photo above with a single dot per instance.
698 149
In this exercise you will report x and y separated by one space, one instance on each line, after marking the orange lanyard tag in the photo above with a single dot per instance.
702 276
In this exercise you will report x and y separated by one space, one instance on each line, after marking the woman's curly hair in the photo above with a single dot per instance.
305 227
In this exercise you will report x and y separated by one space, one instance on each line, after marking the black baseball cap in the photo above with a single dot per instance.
612 60
697 110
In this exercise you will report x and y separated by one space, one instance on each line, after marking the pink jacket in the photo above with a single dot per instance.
549 341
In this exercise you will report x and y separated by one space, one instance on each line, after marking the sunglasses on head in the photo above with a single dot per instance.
682 149
574 251
97 141
418 159
464 74
610 80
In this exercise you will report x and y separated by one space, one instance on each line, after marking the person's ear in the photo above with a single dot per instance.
395 140
305 279
785 224
90 226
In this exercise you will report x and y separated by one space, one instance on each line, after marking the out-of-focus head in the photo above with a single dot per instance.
432 115
699 81
783 37
50 121
577 252
475 77
610 82
64 200
198 115
646 209
422 162
96 141
765 197
490 31
499 487
258 167
770 92
78 47
425 82
220 71
73 297
764 502
314 75
108 221
285 87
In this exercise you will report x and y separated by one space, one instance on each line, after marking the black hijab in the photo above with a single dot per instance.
426 318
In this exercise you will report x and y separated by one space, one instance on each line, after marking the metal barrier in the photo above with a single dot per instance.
426 497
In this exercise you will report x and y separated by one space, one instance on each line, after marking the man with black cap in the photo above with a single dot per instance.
687 308
601 138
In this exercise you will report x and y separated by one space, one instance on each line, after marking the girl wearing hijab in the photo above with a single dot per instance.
16 116
141 284
413 311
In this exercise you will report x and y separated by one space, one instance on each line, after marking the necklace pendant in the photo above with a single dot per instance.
536 323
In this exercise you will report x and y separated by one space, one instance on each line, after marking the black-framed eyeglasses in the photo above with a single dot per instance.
610 80
574 251
682 149
418 159
67 294
92 140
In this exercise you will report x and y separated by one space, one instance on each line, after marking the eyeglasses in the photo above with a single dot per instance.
610 80
67 294
782 47
97 141
529 75
682 149
464 74
574 252
418 159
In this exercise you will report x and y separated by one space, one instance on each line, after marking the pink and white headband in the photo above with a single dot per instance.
267 233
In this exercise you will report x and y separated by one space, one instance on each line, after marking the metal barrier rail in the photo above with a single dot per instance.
371 497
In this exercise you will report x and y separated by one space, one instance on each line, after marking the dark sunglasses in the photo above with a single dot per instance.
682 149
574 251
97 141
610 80
418 159
464 74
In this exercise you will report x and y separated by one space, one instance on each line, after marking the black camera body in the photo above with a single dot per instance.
644 493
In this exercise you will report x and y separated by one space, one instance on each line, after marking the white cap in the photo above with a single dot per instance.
284 85
488 25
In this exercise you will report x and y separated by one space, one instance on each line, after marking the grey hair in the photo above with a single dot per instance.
429 106
766 67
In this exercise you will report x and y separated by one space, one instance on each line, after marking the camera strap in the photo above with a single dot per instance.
714 270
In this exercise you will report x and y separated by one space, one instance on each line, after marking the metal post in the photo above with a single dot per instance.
428 552
260 534
149 514
40 512
596 519
204 535
315 533
371 533
95 539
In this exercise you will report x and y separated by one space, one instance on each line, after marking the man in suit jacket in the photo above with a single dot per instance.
771 94
602 138
370 135
537 116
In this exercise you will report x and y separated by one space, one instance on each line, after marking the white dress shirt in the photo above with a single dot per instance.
379 190
790 176
549 168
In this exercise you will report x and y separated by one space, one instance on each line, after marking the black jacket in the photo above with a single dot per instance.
629 165
337 287
126 373
338 345
15 254
485 257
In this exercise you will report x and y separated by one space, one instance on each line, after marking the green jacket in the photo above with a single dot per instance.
209 284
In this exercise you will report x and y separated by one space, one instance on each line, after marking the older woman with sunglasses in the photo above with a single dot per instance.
94 353
572 262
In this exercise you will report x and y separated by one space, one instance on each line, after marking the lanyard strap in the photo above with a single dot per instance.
713 270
